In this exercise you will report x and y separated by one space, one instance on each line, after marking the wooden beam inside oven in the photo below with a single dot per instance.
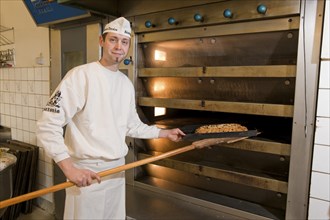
261 146
220 106
225 71
261 182
255 145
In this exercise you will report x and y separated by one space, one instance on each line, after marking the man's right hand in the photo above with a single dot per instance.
80 177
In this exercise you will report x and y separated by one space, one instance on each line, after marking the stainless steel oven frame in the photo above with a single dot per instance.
309 23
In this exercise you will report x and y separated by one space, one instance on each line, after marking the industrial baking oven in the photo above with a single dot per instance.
224 62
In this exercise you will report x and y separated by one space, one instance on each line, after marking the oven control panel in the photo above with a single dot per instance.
215 13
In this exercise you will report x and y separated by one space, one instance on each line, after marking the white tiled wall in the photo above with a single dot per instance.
319 202
23 94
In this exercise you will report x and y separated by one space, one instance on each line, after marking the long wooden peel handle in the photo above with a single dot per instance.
55 188
210 141
34 194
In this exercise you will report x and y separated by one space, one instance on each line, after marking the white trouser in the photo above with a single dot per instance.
98 201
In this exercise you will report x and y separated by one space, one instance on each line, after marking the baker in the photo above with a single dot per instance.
96 103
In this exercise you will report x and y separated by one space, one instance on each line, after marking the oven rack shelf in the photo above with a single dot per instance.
223 71
250 144
262 182
220 106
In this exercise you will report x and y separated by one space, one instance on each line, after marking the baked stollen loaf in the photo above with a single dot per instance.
218 128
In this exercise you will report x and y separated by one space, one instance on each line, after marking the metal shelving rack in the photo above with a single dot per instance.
7 37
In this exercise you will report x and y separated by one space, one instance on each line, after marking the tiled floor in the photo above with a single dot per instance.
37 214
144 204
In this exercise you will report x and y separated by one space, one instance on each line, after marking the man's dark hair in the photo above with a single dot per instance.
104 35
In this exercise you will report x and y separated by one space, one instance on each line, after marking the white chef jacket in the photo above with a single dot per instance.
98 107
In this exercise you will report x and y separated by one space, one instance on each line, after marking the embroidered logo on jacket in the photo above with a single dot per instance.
53 103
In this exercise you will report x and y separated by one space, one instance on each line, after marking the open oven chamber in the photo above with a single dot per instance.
221 72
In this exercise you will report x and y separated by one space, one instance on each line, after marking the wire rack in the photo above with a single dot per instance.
6 35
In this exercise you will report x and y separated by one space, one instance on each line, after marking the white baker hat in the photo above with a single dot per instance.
119 26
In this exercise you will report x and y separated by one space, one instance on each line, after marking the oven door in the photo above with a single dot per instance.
222 76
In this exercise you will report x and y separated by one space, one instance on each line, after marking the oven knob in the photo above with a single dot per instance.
227 13
261 9
128 61
172 21
198 18
148 24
